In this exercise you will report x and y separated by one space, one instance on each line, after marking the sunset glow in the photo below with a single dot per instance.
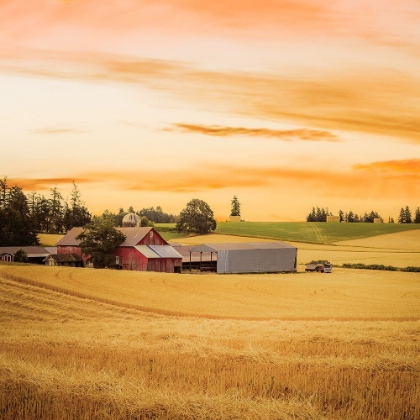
287 105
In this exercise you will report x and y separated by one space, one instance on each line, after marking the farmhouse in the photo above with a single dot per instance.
249 257
143 250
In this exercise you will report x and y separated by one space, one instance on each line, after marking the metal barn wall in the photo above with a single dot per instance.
256 260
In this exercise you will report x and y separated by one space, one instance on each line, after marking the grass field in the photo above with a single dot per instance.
102 344
323 233
48 239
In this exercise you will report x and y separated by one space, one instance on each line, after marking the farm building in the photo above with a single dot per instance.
333 219
143 250
68 260
36 254
250 257
131 220
198 260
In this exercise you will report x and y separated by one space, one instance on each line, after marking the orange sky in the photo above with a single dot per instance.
287 105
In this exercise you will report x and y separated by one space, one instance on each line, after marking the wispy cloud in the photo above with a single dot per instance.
361 102
284 135
347 183
370 21
43 184
56 130
398 166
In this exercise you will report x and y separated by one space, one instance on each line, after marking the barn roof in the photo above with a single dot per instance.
133 235
184 251
31 251
234 246
158 251
65 258
165 251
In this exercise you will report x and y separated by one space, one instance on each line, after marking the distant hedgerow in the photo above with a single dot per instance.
381 267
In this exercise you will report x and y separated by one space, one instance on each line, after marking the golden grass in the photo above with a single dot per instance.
347 294
69 356
49 239
401 241
214 238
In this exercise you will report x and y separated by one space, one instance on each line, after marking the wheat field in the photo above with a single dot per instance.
102 344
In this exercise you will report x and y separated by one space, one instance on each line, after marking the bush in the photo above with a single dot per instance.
21 256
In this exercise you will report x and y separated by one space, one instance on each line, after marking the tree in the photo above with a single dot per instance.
21 256
405 215
196 217
311 216
76 214
98 239
417 215
16 224
236 207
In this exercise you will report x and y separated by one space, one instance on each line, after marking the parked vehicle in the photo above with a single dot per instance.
320 267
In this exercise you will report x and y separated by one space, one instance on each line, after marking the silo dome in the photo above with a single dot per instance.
131 220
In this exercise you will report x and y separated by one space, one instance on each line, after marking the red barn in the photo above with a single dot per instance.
143 250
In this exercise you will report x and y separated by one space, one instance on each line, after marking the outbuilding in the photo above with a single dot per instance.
249 257
35 254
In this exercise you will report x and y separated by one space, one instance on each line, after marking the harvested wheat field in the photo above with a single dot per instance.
400 241
102 344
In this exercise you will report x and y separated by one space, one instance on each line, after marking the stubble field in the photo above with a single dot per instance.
101 344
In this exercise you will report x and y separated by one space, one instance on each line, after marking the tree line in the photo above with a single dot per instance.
320 215
148 216
22 217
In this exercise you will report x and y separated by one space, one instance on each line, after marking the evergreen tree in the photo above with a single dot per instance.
311 216
417 215
407 212
56 211
75 214
16 224
235 207
405 215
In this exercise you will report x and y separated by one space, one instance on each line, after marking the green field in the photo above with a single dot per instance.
317 233
313 232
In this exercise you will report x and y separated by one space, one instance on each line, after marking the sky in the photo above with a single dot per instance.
286 104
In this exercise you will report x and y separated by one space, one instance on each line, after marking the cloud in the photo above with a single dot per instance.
390 23
42 184
365 101
55 130
285 135
407 165
346 184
